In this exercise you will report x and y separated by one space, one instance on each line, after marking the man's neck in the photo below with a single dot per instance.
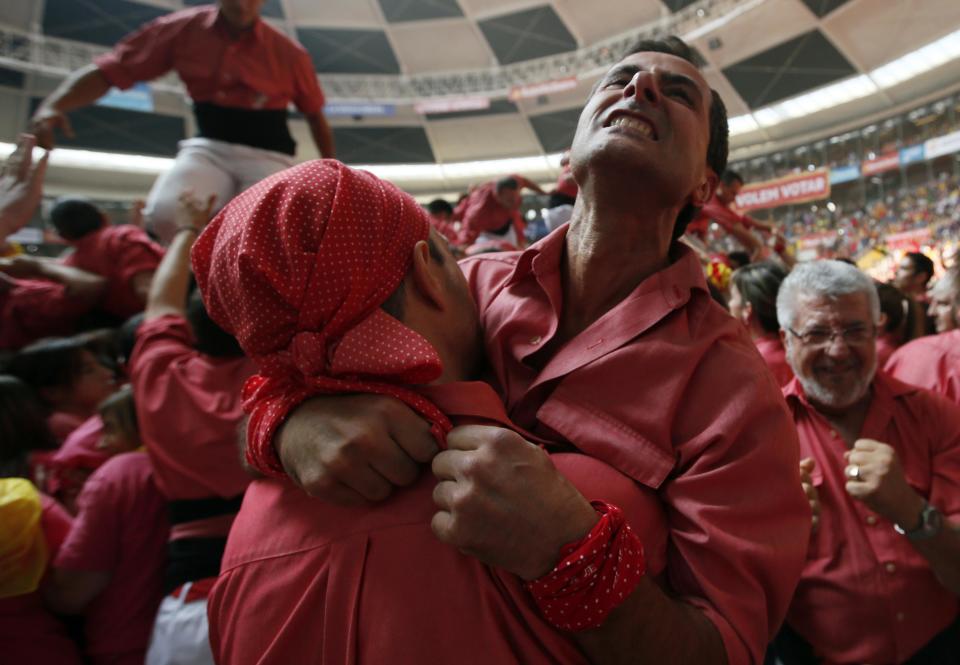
609 250
848 421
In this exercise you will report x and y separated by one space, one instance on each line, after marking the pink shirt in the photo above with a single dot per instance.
188 407
931 362
263 69
33 309
117 253
372 584
771 348
866 595
667 388
121 528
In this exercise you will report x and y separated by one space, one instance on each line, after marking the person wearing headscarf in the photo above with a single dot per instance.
332 281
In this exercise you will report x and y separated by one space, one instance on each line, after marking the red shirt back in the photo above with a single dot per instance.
117 253
121 528
262 69
931 362
188 408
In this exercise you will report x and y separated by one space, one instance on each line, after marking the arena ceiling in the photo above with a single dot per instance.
757 53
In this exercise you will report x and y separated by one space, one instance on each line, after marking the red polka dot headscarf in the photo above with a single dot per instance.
296 268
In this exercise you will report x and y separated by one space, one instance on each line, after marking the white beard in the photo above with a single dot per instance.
828 397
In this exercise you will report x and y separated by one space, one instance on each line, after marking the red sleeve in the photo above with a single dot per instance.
160 341
308 97
94 541
721 214
56 523
143 55
135 253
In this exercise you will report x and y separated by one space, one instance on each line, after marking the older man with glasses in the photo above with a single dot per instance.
882 577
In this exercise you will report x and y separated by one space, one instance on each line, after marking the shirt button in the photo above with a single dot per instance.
535 339
833 434
871 520
901 616
891 567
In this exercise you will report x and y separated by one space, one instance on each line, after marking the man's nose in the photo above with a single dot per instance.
644 87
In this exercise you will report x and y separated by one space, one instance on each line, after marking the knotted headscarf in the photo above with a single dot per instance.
296 268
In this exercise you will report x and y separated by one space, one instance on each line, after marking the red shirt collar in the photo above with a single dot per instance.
214 20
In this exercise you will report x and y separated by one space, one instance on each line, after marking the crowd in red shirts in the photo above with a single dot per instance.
159 494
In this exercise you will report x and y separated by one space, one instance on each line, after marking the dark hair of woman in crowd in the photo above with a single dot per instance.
23 427
63 372
903 318
757 285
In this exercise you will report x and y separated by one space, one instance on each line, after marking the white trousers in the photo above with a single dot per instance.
206 167
180 633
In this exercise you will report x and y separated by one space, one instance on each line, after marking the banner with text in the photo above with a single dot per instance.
798 188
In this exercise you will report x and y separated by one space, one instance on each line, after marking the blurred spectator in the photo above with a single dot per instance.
933 362
67 377
124 255
441 217
753 301
901 320
110 568
32 529
491 212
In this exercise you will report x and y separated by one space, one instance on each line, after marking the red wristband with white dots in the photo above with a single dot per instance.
594 575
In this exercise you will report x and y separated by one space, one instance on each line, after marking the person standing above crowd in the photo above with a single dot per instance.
882 578
933 361
241 74
123 254
718 210
491 213
753 301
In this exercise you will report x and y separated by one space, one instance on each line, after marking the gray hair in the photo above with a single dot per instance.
829 279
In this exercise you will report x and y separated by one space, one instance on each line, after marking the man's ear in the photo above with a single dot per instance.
747 313
427 276
704 191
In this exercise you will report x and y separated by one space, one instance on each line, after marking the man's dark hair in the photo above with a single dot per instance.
74 218
393 305
738 259
49 363
440 207
718 148
758 284
730 176
921 264
23 426
209 338
507 183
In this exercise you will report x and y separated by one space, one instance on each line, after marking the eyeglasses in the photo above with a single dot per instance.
822 336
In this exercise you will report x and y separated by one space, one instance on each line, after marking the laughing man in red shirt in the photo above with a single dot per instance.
882 576
241 74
